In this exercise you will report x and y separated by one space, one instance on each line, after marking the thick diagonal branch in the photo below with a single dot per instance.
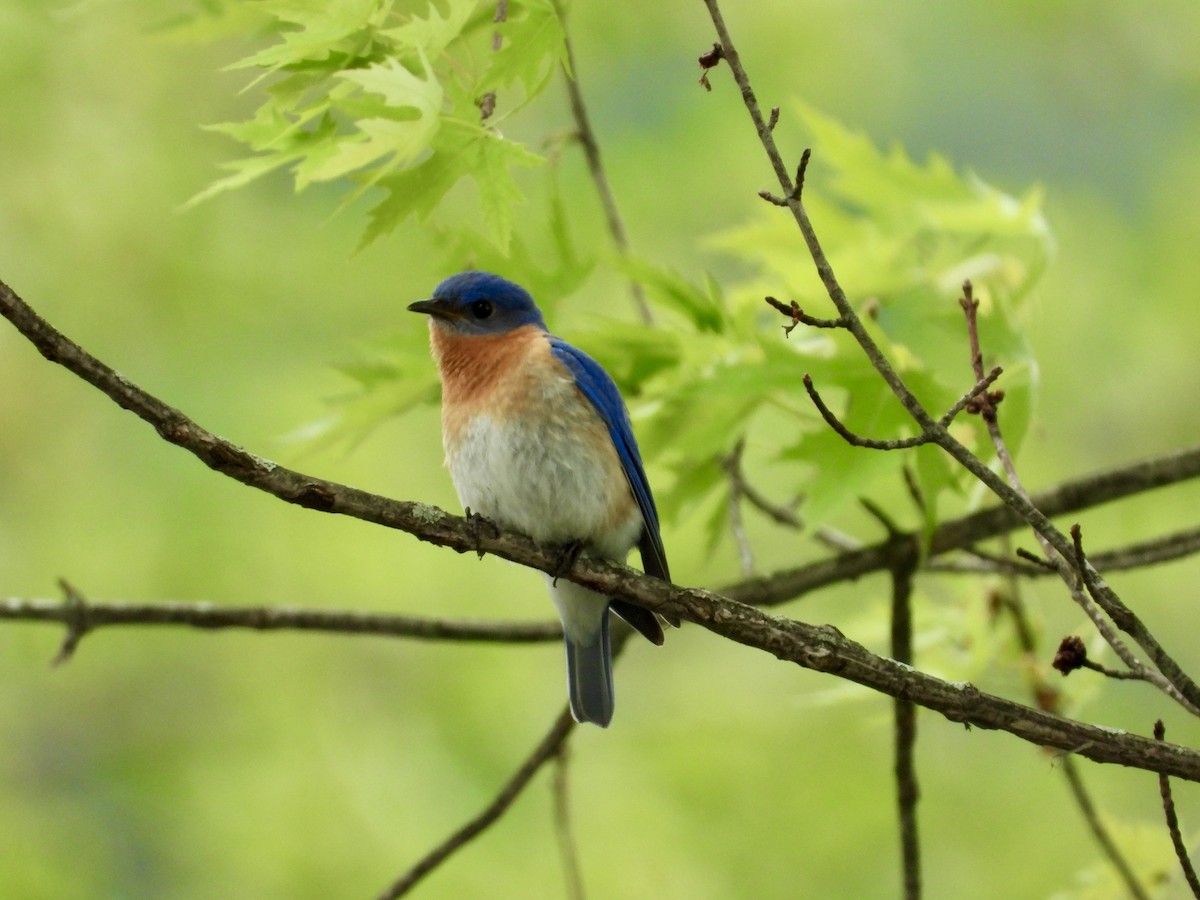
821 648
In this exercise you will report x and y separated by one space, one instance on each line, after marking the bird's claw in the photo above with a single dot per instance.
480 526
568 555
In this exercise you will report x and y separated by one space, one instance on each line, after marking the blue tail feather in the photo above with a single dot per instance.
589 677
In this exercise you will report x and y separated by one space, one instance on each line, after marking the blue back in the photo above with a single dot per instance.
599 388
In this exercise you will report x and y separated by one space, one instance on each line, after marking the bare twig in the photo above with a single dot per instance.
779 513
591 151
1084 801
801 169
1049 698
800 317
546 750
76 616
857 440
905 714
82 616
979 388
1070 497
1181 853
732 464
1093 601
572 874
1169 547
985 405
1105 597
211 616
1072 655
1141 554
487 103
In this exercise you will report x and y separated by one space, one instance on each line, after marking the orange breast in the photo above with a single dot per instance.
485 373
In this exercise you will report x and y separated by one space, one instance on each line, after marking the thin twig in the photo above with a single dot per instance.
82 616
1069 497
591 151
979 389
905 714
1169 547
732 464
546 750
1085 577
986 407
856 440
1181 853
1084 801
487 103
76 616
780 514
799 316
1116 674
211 616
801 169
1105 597
1049 698
741 488
567 849
1139 555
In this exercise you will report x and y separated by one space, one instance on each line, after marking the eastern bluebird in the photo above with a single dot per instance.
538 439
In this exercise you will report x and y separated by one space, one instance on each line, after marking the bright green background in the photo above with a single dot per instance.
167 763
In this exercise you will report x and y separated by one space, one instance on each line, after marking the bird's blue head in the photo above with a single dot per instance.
479 303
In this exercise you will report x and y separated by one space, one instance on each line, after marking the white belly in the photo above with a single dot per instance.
542 480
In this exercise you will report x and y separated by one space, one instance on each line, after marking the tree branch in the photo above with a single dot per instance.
546 750
958 534
1049 698
572 874
905 717
1104 596
1096 825
591 151
821 648
211 616
1073 578
1181 853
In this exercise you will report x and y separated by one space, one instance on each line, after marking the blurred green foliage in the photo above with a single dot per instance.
166 763
911 234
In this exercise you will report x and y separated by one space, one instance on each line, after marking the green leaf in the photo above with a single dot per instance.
435 33
402 137
390 378
534 46
491 170
325 27
703 307
412 192
550 273
459 150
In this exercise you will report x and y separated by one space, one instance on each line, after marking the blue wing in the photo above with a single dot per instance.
599 388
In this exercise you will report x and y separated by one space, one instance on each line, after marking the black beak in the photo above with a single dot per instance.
439 309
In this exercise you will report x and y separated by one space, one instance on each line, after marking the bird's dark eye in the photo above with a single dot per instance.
481 309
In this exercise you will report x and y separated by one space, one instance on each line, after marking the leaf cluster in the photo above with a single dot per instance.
392 95
386 96
903 236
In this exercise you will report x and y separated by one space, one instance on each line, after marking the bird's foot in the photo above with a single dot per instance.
480 526
568 555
